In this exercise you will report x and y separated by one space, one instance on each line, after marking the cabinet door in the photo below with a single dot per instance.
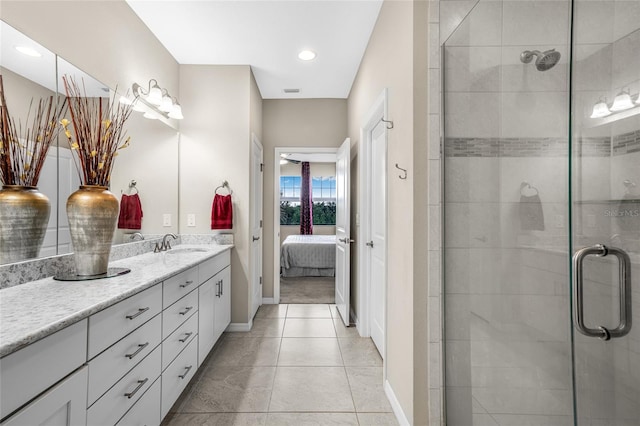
223 302
206 308
64 404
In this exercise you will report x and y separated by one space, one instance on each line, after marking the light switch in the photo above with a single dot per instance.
166 219
191 220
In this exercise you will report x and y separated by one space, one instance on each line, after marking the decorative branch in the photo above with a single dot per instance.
98 132
23 152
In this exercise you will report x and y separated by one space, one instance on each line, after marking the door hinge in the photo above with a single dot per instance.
260 280
260 224
261 166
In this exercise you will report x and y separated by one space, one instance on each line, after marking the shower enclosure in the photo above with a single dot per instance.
542 214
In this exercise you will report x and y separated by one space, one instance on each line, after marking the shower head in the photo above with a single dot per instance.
544 60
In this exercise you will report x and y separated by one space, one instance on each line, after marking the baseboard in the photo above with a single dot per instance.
268 301
395 405
239 326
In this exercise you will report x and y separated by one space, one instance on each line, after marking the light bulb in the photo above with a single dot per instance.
176 112
283 162
621 102
167 104
600 109
155 96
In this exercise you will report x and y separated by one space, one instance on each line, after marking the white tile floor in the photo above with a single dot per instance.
299 365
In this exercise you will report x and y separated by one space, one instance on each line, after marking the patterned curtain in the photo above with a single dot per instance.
306 204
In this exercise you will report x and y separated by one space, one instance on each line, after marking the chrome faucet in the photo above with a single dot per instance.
136 234
165 245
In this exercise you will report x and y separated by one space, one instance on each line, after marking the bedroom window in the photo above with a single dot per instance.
324 200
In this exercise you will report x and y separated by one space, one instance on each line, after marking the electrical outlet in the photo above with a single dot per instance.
166 219
191 220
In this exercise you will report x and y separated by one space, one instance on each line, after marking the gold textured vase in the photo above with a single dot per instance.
24 215
92 211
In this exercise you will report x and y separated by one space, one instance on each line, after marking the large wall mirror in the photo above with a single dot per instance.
151 160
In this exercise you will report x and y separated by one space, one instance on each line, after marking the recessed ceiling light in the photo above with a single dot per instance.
28 51
307 55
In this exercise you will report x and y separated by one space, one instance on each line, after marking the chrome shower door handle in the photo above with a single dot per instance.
624 278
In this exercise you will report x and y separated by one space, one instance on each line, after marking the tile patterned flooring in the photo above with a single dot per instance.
299 365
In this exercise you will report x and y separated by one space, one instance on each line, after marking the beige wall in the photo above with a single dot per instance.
294 123
91 35
316 169
389 63
215 146
150 160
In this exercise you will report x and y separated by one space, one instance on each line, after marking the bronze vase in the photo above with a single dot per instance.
92 211
24 215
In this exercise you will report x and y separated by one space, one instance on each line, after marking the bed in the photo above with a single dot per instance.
308 256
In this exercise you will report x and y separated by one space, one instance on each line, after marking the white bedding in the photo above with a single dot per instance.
308 255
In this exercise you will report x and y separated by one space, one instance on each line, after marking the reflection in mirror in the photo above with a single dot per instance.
151 159
28 77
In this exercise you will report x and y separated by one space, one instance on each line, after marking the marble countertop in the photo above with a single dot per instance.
34 310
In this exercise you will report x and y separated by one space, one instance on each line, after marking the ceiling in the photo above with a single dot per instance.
268 35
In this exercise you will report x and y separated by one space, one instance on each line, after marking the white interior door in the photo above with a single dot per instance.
256 225
377 244
343 236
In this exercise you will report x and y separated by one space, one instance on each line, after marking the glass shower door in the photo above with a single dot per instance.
605 201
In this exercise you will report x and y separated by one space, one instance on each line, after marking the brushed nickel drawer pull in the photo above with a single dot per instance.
137 314
140 349
186 283
182 376
185 338
187 309
141 383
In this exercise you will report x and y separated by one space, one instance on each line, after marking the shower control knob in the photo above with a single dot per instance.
370 244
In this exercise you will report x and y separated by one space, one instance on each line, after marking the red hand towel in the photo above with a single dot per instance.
221 212
130 212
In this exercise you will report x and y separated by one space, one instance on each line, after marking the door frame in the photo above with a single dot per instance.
276 207
253 211
378 111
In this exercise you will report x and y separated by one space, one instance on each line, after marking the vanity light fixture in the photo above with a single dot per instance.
621 102
600 109
157 98
29 51
307 55
150 115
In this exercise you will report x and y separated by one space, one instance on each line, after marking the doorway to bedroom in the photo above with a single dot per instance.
305 225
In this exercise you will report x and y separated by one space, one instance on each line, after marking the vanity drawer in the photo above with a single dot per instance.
212 266
178 313
176 377
26 373
110 325
146 412
178 340
121 397
108 367
177 286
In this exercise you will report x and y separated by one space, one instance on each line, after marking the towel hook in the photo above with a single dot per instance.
403 170
524 185
132 185
389 122
225 184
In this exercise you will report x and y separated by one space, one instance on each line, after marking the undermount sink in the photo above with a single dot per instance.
186 250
